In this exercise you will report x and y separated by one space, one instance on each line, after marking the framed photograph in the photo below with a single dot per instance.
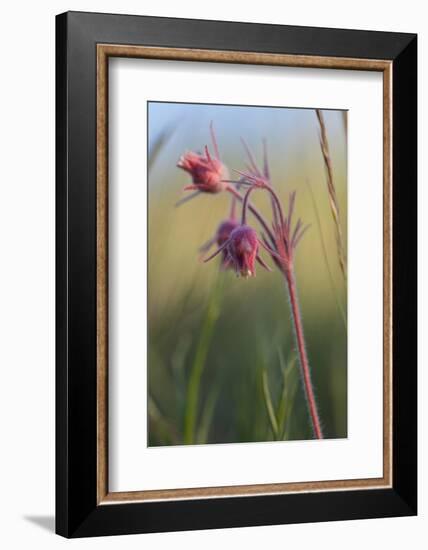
236 274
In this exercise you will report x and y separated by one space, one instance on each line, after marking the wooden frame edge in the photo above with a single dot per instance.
104 51
102 273
241 57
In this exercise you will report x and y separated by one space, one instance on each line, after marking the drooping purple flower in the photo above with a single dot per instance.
224 230
207 171
221 236
241 251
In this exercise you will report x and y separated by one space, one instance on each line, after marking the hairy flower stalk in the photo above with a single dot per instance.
304 362
287 238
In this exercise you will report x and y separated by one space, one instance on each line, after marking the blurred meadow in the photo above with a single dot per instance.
222 362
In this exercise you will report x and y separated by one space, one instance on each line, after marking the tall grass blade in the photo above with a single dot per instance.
206 417
269 405
158 144
287 394
192 398
325 255
161 426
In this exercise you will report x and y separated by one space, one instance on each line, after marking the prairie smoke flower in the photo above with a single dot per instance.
222 235
241 250
220 238
208 172
224 230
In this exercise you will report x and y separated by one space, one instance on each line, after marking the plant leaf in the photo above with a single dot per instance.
269 406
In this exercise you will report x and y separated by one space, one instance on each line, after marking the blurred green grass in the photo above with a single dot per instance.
250 333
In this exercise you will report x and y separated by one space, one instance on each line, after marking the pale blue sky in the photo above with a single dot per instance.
291 133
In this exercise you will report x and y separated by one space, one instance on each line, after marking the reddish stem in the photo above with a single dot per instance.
288 271
245 205
275 200
255 212
232 214
304 363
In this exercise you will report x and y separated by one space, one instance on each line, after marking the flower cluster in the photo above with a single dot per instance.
238 243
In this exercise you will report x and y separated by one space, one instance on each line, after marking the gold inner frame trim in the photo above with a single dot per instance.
104 51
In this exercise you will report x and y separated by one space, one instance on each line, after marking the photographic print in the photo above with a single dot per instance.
247 274
235 322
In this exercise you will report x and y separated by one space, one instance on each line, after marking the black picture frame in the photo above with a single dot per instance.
77 511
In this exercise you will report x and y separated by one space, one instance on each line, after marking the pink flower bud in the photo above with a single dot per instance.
242 250
207 172
224 230
223 233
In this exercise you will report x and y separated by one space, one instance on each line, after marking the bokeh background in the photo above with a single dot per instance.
221 355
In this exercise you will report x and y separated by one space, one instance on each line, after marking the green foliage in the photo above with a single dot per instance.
279 416
194 382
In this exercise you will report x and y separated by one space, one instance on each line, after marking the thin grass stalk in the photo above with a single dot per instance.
283 400
193 386
160 423
269 405
291 396
334 205
159 143
206 417
303 357
287 396
325 255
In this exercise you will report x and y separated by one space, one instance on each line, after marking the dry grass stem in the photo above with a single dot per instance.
334 205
